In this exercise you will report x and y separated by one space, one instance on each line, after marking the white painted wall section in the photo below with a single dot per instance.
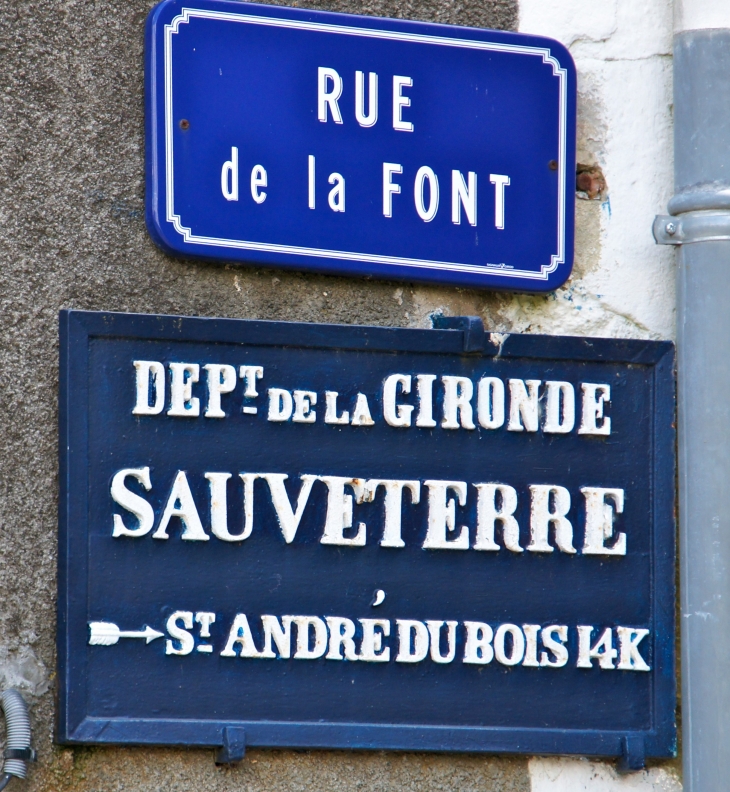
580 775
701 14
622 50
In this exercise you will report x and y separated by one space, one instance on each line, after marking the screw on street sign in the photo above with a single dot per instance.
360 537
360 146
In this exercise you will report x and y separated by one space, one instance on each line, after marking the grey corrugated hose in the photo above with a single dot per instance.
17 729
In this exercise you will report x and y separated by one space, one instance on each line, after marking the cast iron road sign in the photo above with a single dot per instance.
282 534
359 145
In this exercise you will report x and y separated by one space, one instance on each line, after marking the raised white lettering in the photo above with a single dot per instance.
311 169
342 634
603 650
369 119
186 511
396 414
329 90
240 633
249 375
309 627
288 518
371 646
595 398
531 631
259 179
499 182
490 402
630 658
361 414
523 405
393 506
336 197
478 647
457 402
399 102
412 641
541 517
426 213
442 516
182 642
556 646
279 633
463 196
434 629
182 403
221 379
500 647
390 189
488 515
339 511
599 521
330 416
219 507
303 401
229 176
133 503
280 404
560 407
149 372
424 389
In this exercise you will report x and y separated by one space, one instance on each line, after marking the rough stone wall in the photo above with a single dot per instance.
72 234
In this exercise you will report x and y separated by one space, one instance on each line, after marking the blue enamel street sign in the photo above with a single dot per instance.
277 534
360 146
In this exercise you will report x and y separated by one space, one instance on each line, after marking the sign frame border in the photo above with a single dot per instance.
159 165
74 727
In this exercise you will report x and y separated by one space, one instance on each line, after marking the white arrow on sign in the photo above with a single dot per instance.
107 634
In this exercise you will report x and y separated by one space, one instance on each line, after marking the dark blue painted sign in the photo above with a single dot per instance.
361 146
358 537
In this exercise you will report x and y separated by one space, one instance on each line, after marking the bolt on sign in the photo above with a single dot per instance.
360 146
355 537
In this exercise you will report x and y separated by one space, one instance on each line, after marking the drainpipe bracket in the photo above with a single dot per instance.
700 213
685 229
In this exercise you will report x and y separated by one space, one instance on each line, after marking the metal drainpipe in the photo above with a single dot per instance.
699 224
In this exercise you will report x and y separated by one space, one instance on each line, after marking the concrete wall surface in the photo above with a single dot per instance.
72 234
